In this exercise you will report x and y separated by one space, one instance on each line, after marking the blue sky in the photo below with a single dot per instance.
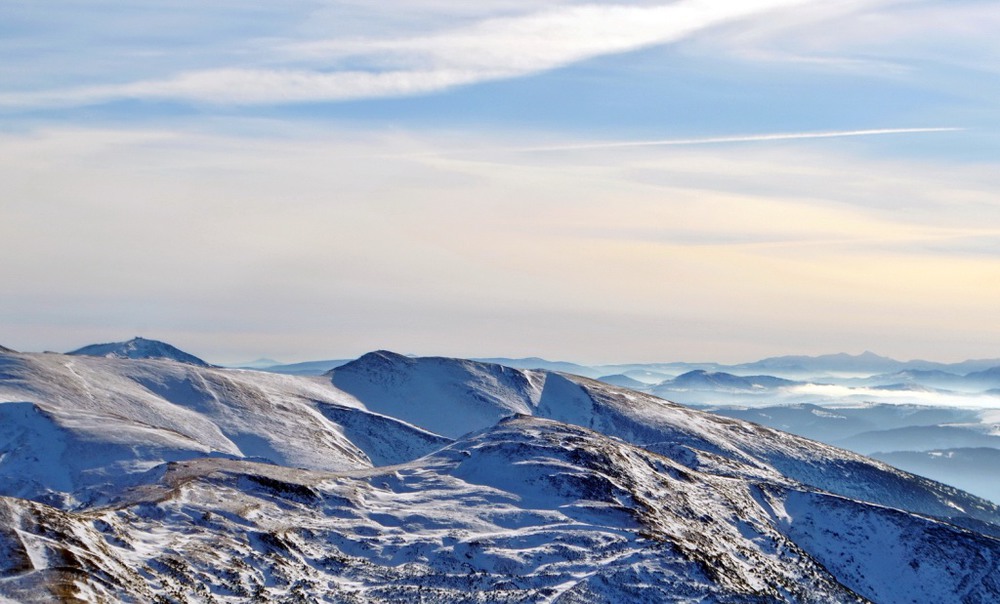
589 181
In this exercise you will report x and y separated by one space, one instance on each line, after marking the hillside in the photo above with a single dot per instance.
139 348
446 480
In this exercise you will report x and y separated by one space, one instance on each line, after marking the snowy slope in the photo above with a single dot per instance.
74 426
139 348
697 436
435 393
446 480
581 518
888 556
446 396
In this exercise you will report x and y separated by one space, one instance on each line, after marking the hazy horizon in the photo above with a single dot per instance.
282 360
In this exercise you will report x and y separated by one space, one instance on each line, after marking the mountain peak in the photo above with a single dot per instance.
5 350
139 348
388 355
447 396
376 360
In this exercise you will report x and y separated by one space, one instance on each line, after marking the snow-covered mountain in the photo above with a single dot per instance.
539 363
717 384
445 480
139 348
75 429
434 392
304 368
447 396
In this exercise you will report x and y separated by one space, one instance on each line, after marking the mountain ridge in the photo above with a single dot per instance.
395 478
793 366
644 420
139 348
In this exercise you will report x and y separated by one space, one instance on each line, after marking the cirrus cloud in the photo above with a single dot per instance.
490 49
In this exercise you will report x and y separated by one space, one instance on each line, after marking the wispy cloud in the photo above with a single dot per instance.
546 39
875 36
432 220
490 49
747 138
255 86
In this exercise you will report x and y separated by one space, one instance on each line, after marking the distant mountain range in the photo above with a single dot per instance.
971 468
867 363
945 443
690 383
718 380
303 368
393 478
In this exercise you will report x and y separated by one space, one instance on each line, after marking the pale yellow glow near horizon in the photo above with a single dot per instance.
366 241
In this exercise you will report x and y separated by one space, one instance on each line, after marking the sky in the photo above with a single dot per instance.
589 181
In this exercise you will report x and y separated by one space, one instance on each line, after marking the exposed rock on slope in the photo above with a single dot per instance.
508 485
582 518
428 390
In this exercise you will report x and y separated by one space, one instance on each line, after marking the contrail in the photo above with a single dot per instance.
748 138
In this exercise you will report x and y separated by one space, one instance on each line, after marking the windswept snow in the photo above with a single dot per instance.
446 396
76 425
427 390
446 480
